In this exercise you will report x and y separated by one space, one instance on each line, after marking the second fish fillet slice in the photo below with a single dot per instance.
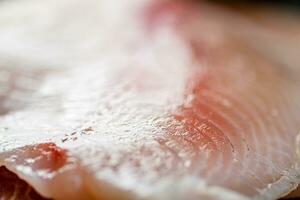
176 106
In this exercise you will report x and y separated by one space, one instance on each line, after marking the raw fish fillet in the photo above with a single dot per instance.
147 99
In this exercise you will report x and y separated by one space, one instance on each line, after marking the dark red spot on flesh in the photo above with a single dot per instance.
48 156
